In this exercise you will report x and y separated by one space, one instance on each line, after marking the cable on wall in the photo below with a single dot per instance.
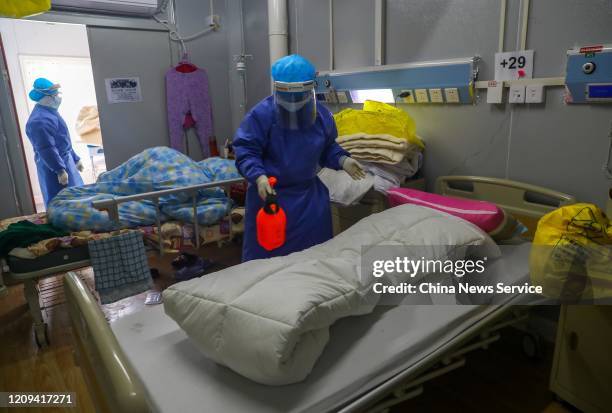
297 27
331 35
525 23
502 25
172 26
379 32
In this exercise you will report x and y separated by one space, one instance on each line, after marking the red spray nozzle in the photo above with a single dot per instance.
272 181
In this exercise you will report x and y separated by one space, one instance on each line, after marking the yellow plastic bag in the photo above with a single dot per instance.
22 8
571 256
373 106
378 118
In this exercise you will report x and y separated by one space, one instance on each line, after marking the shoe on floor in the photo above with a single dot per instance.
196 269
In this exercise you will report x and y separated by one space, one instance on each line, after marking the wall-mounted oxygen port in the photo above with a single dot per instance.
589 67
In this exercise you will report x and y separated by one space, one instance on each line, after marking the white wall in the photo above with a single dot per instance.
22 37
554 145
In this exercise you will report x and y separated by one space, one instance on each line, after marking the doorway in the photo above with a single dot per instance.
60 53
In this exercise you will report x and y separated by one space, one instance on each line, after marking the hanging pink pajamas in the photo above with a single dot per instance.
187 93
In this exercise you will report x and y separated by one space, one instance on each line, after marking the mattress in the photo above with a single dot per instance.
55 258
363 352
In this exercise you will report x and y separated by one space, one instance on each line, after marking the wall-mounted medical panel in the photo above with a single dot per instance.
448 81
588 76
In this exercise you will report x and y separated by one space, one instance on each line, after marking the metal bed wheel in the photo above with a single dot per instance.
532 346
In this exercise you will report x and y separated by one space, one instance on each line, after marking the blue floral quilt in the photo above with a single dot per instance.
152 170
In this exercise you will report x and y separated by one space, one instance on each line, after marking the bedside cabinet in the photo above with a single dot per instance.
582 366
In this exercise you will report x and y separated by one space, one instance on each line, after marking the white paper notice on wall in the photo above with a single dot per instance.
514 65
123 90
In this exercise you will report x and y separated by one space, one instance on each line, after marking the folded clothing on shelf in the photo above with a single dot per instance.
389 176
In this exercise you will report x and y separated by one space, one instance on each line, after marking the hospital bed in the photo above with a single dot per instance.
145 362
29 271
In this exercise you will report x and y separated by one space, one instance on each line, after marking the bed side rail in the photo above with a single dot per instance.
515 197
112 382
111 206
526 202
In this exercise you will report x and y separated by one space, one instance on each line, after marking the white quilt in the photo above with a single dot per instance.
269 320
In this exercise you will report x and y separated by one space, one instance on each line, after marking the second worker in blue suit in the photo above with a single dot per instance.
288 136
57 164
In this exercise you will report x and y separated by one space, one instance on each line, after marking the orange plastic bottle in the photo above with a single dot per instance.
271 222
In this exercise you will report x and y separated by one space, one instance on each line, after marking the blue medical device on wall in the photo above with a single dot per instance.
447 81
588 76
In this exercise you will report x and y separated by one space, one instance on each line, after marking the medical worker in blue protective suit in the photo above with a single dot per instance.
57 164
288 136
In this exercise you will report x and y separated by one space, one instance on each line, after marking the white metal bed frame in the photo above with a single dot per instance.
115 386
30 279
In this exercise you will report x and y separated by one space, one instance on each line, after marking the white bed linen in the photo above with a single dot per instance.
269 319
362 353
343 189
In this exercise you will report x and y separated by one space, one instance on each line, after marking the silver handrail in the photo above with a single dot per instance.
111 206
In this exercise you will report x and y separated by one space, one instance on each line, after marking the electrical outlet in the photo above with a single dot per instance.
517 94
534 94
342 97
330 97
452 95
436 95
495 92
421 95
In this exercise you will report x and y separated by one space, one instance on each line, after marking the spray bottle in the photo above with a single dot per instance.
271 222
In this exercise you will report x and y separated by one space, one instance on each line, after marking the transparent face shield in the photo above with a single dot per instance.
51 91
51 96
296 105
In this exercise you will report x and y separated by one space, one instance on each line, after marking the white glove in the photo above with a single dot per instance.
62 177
353 168
80 166
263 187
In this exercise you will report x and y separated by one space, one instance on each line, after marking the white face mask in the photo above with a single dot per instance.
57 99
53 102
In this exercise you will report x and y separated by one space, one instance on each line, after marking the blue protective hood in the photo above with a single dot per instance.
293 68
43 87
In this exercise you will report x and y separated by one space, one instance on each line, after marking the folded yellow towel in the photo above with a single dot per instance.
364 141
378 119
382 155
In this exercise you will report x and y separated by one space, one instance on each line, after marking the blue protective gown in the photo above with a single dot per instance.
53 151
263 147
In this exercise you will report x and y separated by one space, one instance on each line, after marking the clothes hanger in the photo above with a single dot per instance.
185 66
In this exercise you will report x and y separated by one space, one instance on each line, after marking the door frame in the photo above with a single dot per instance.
15 119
